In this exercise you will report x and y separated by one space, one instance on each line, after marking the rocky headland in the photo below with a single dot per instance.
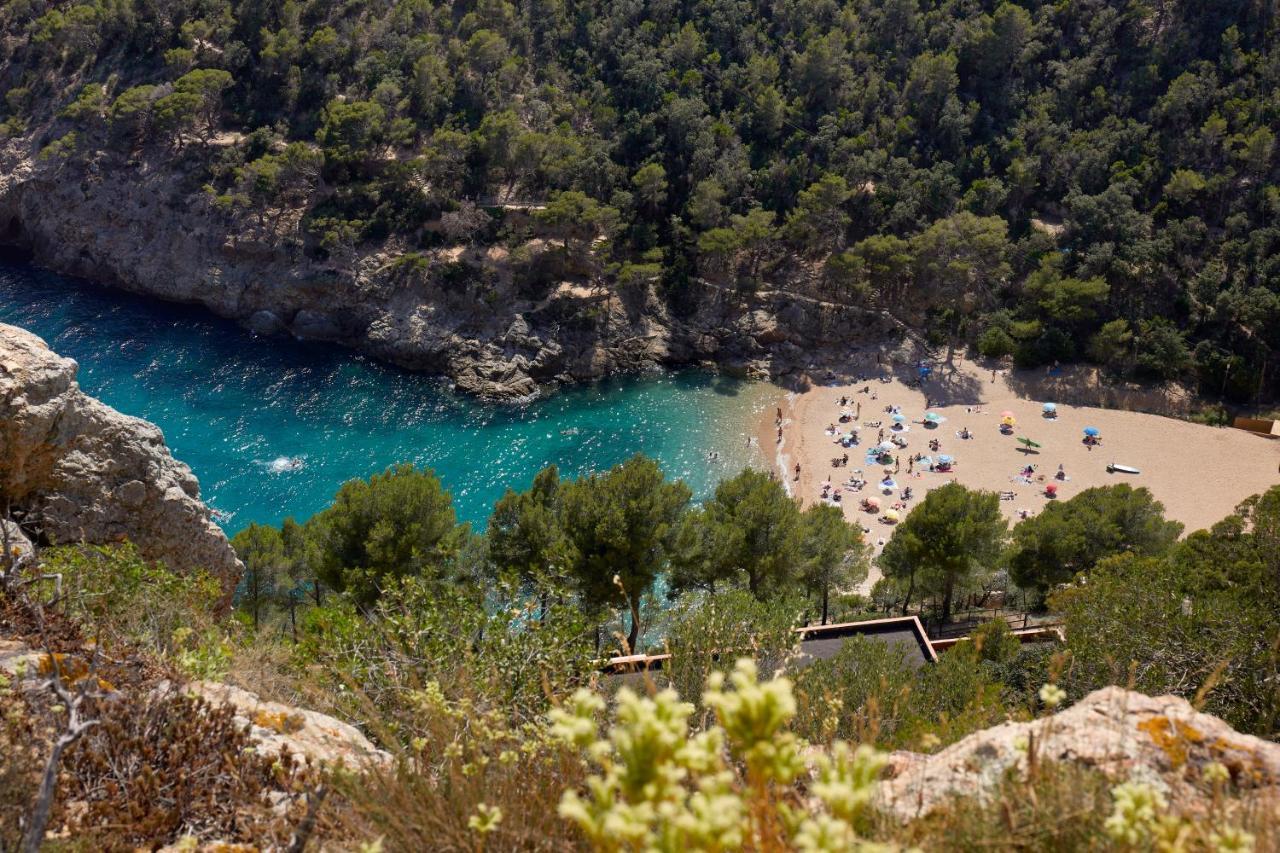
487 316
73 469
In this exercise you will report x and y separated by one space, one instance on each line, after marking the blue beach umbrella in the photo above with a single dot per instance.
934 418
898 418
1050 407
1092 432
944 459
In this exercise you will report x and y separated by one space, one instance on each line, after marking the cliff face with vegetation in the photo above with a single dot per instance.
138 223
519 193
75 470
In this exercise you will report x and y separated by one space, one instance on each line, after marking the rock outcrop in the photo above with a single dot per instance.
468 312
1127 736
79 471
273 725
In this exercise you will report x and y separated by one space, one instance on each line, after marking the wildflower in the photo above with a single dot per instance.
1052 695
1216 773
847 779
1136 809
1232 840
486 819
577 723
754 716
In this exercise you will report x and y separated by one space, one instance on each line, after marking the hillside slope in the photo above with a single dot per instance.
521 193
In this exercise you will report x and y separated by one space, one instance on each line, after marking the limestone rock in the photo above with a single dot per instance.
1126 736
309 733
81 471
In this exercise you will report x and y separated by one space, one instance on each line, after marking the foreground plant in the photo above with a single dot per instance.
728 787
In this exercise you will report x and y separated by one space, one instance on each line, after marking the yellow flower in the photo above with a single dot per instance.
486 819
1052 695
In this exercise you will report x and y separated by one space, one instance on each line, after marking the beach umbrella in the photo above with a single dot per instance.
898 417
934 418
888 484
890 515
1006 414
1050 408
944 459
1028 443
887 446
924 461
873 504
1009 420
1092 432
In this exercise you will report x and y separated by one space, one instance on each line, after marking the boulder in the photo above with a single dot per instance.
1125 735
80 471
264 323
313 325
273 725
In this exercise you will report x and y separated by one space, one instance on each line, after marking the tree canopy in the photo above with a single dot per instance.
1070 537
1088 180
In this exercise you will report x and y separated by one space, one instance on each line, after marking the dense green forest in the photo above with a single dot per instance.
1053 181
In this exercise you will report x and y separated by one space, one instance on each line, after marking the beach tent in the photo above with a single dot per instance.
1092 432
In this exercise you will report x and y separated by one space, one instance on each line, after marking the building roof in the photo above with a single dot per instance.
817 642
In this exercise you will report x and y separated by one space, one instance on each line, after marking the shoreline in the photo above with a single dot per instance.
1200 473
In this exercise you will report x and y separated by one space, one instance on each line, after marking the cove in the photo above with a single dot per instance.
230 403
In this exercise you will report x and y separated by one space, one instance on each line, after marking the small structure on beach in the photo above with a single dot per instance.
1258 426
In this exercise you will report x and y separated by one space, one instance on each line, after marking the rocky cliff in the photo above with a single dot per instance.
470 312
73 469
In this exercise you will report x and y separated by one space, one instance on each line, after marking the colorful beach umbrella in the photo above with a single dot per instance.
1006 414
872 503
1008 420
890 515
1092 432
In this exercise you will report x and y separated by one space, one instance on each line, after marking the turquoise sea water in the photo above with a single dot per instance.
230 403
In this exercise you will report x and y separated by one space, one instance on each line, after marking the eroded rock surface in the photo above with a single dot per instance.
1124 735
78 470
274 725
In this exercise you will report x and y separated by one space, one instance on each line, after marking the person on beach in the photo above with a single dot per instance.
897 465
910 462
797 470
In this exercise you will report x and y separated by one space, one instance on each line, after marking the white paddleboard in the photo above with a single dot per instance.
1123 469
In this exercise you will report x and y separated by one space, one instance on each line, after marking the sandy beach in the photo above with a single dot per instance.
1199 473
